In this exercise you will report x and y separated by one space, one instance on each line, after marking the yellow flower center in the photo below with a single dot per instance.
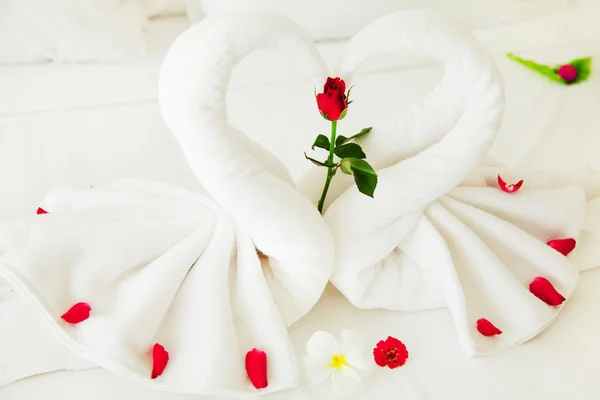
338 361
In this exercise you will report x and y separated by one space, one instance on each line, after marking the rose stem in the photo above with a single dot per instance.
330 170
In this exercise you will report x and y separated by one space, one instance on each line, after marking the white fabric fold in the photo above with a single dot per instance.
439 232
209 276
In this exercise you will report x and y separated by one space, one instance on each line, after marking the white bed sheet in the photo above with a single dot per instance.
59 131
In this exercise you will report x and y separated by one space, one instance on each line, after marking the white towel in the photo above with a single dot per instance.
440 233
158 264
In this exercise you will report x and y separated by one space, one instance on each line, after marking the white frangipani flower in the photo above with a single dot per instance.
339 360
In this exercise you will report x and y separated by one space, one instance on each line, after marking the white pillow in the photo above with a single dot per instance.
70 30
340 19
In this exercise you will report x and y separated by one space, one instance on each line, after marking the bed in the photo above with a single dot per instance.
84 125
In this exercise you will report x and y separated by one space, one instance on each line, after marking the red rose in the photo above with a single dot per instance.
332 102
390 352
568 73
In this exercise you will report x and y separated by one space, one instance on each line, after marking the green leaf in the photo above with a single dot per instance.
343 139
365 176
539 68
346 166
324 116
363 132
340 140
322 142
316 162
343 114
348 93
584 68
350 150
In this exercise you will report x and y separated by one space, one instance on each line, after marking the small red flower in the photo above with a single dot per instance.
256 368
40 211
486 328
160 359
563 246
78 313
333 101
509 188
568 73
545 291
390 352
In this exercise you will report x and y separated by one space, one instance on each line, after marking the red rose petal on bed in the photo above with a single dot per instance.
256 368
545 291
563 246
486 328
78 313
160 359
509 188
40 211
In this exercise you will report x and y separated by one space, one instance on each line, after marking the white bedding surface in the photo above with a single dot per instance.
86 125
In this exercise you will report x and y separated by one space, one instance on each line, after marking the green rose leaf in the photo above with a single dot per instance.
363 132
316 162
340 140
345 166
350 150
584 68
322 142
364 175
542 69
343 139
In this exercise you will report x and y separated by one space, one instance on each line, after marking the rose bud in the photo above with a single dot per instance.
568 73
333 101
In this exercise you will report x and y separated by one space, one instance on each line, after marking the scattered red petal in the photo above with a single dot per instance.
486 328
78 313
509 188
568 73
40 211
563 246
545 291
160 359
390 352
256 368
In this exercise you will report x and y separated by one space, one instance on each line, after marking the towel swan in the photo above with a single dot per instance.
437 234
209 277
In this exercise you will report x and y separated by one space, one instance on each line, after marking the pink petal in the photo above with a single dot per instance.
160 359
545 291
486 328
256 368
78 313
563 246
40 211
509 188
